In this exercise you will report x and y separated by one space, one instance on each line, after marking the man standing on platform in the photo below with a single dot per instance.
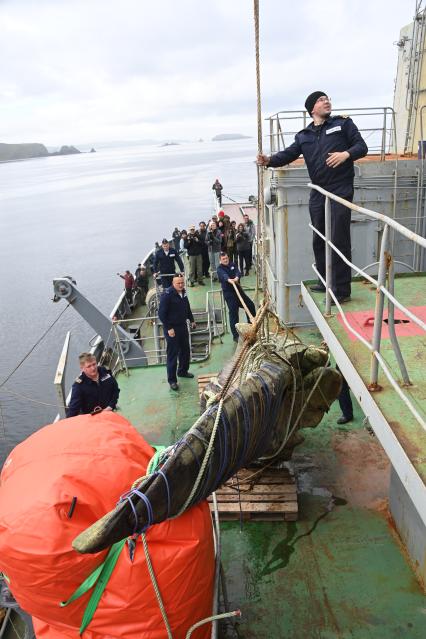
174 313
164 263
330 145
217 188
229 275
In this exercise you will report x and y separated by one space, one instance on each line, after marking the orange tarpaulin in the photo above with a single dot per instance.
96 459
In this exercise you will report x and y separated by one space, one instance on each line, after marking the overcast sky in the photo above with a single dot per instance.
76 71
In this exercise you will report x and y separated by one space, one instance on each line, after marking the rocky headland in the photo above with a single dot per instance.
25 151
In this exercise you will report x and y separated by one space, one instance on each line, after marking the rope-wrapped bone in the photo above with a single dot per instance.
258 418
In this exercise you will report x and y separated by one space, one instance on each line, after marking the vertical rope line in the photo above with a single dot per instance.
260 189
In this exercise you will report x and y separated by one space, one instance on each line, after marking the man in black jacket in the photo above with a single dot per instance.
174 312
330 145
164 263
95 389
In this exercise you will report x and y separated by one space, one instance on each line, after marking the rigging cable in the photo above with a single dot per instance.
33 347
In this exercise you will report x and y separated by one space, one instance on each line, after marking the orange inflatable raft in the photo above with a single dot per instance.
89 461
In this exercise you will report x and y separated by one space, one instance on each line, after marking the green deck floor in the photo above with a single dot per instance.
410 291
337 573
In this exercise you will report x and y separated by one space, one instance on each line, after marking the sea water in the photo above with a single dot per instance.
89 216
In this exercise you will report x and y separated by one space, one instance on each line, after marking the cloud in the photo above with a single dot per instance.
82 71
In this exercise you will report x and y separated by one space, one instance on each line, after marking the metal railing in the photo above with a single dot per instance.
157 353
385 271
379 130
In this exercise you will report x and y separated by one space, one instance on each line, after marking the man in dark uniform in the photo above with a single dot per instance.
174 312
227 273
95 388
330 145
164 263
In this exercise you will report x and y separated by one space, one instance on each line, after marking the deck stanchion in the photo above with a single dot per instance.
378 313
328 256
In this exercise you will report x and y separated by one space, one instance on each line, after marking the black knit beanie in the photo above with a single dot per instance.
311 99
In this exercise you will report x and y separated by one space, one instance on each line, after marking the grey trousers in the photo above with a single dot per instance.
195 268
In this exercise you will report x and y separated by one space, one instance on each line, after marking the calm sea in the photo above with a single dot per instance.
89 216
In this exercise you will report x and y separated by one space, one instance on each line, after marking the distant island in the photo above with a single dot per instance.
10 152
170 144
229 136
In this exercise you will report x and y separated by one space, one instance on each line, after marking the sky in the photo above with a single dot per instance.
86 71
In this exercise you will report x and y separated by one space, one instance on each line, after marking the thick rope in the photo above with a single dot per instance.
244 305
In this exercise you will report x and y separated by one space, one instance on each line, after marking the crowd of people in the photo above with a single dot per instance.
204 244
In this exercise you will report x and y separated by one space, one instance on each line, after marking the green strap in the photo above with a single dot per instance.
155 460
100 576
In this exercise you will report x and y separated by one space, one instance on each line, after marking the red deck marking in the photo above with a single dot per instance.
363 322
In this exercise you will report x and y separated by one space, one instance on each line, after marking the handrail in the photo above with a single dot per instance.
383 127
384 269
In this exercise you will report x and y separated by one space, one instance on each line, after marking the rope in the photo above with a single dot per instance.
34 346
6 389
260 170
156 588
223 615
244 305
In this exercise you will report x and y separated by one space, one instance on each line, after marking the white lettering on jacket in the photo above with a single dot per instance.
333 130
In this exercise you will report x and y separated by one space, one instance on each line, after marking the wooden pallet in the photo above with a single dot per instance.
270 496
203 380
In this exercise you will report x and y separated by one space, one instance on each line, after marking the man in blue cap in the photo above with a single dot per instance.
330 145
164 263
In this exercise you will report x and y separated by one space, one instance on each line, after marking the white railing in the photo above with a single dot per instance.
385 270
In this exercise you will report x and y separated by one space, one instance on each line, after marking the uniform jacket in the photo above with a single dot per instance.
86 394
174 309
338 133
193 244
166 263
225 273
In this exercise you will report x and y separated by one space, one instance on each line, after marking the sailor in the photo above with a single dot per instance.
174 313
217 188
330 145
164 263
228 273
95 389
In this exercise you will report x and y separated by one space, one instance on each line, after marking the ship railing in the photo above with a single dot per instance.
378 128
154 345
385 271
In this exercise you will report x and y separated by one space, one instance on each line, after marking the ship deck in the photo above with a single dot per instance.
338 572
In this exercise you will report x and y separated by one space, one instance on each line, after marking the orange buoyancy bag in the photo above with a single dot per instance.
95 459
